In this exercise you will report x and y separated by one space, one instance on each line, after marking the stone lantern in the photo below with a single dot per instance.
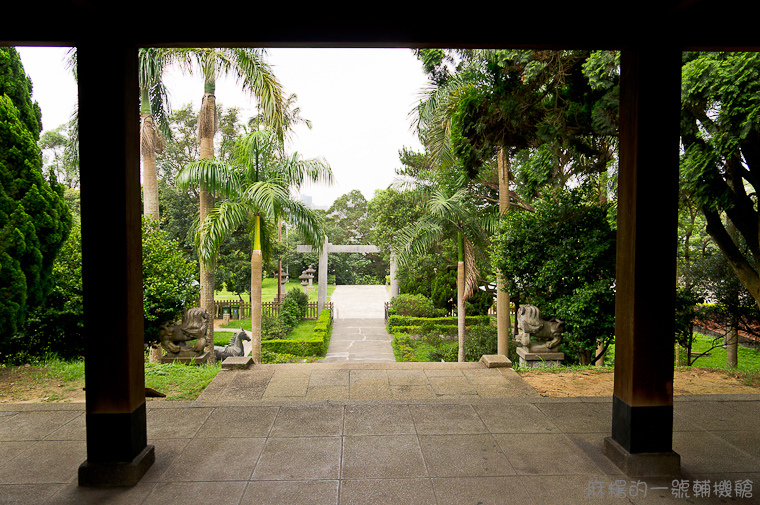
310 271
304 281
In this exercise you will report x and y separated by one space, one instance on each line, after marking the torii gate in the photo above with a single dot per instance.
327 247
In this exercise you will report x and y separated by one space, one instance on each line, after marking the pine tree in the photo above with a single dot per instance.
34 220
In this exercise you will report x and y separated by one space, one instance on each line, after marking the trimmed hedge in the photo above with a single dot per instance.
395 321
441 329
316 345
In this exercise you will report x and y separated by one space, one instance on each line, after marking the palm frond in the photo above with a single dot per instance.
219 177
296 171
416 239
220 222
307 221
266 198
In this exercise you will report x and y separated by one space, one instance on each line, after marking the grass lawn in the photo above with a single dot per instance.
269 291
60 380
749 359
304 330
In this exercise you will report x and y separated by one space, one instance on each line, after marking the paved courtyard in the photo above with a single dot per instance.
363 431
373 434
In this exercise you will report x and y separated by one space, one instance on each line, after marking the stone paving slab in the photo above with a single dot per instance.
520 449
367 381
359 340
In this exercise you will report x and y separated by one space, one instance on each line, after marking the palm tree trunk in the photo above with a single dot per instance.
206 203
256 267
460 310
460 297
149 176
149 181
502 297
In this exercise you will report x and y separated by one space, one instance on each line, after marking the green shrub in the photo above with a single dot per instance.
316 345
290 313
449 330
311 347
268 356
413 305
398 320
479 303
479 340
445 353
272 328
301 299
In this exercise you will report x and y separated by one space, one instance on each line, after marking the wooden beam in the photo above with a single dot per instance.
646 249
117 450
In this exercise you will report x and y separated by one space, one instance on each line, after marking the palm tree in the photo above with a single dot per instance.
256 186
154 120
256 77
451 213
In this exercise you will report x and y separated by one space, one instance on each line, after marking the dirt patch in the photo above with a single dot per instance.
32 385
27 384
697 381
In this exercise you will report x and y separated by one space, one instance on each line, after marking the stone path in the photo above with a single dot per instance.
354 381
359 326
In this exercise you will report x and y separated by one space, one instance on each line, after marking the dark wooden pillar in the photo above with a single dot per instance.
117 450
642 422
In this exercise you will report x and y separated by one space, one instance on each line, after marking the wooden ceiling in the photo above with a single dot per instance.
689 24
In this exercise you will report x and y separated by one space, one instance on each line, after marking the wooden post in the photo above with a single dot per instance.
642 419
117 450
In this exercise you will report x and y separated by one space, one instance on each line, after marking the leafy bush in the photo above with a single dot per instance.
425 345
397 320
56 327
272 328
312 346
561 258
300 298
169 280
290 313
413 305
479 303
268 356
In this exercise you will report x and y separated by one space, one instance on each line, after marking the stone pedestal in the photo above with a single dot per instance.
226 318
237 363
186 357
538 359
117 473
658 464
496 361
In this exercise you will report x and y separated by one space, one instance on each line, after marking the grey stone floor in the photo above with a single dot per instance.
359 340
360 437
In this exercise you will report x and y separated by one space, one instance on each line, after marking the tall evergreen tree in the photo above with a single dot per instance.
34 220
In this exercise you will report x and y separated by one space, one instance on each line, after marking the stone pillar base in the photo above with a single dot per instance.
648 464
496 361
186 358
539 359
115 474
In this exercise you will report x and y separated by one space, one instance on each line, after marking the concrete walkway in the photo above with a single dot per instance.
359 326
249 439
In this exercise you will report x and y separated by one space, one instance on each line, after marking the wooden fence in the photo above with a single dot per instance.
238 310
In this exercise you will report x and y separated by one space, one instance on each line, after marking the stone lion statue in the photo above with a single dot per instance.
531 324
174 336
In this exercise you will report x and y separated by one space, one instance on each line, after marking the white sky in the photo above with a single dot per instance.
358 101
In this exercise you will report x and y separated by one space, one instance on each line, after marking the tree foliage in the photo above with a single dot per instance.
169 280
561 258
720 132
34 220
